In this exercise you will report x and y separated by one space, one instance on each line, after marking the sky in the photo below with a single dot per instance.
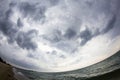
58 35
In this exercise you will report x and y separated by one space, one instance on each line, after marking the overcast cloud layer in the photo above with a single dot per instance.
58 35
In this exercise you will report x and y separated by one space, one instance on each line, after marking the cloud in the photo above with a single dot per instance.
31 10
54 2
110 24
54 35
85 36
70 33
19 23
24 40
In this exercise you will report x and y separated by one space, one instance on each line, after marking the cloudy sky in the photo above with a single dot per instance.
58 35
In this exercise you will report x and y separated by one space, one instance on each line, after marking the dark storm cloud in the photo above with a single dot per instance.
3 8
11 30
54 2
111 24
70 33
37 13
19 22
27 9
116 29
8 13
6 27
12 4
24 40
85 35
31 10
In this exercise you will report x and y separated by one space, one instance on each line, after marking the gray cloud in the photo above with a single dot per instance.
85 35
19 23
11 30
6 27
34 11
54 2
110 25
70 33
24 40
54 36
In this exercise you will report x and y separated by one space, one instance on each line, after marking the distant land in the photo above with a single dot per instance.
6 72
